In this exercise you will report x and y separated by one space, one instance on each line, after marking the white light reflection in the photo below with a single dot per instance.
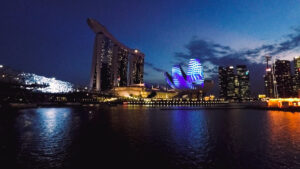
54 120
50 120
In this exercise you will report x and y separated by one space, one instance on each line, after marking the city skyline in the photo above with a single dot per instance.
150 84
52 39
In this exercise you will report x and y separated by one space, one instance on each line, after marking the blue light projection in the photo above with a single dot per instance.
179 77
169 80
192 80
195 73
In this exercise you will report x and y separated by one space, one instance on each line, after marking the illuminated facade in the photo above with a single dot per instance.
269 83
231 94
283 78
234 86
243 82
227 83
296 78
195 75
141 92
194 79
179 77
284 102
113 63
222 82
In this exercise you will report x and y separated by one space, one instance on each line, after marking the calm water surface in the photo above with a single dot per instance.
143 137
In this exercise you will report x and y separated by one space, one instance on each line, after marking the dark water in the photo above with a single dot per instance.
141 137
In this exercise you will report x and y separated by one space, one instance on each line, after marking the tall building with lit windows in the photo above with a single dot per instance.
113 63
269 79
230 75
296 78
269 83
243 82
222 82
227 83
234 86
283 77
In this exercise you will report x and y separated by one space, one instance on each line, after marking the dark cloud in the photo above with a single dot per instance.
208 51
291 43
154 67
204 49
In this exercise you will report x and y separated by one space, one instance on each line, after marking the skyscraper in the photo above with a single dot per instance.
227 82
296 78
222 82
269 83
283 78
243 82
230 75
113 63
234 86
269 80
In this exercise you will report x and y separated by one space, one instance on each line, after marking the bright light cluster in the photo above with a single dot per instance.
195 72
178 77
193 80
51 85
284 102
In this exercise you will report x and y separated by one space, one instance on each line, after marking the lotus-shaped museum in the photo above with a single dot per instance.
193 79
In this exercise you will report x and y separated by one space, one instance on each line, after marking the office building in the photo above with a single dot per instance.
243 82
283 78
234 86
296 77
222 82
113 63
269 79
231 85
227 83
269 83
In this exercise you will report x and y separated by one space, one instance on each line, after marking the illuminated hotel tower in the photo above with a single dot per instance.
113 63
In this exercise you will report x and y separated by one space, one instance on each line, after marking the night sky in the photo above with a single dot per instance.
52 38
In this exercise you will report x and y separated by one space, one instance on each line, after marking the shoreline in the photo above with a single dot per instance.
260 106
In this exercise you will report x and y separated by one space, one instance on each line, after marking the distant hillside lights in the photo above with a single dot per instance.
47 85
33 82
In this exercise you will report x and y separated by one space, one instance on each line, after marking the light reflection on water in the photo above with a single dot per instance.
44 135
204 138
